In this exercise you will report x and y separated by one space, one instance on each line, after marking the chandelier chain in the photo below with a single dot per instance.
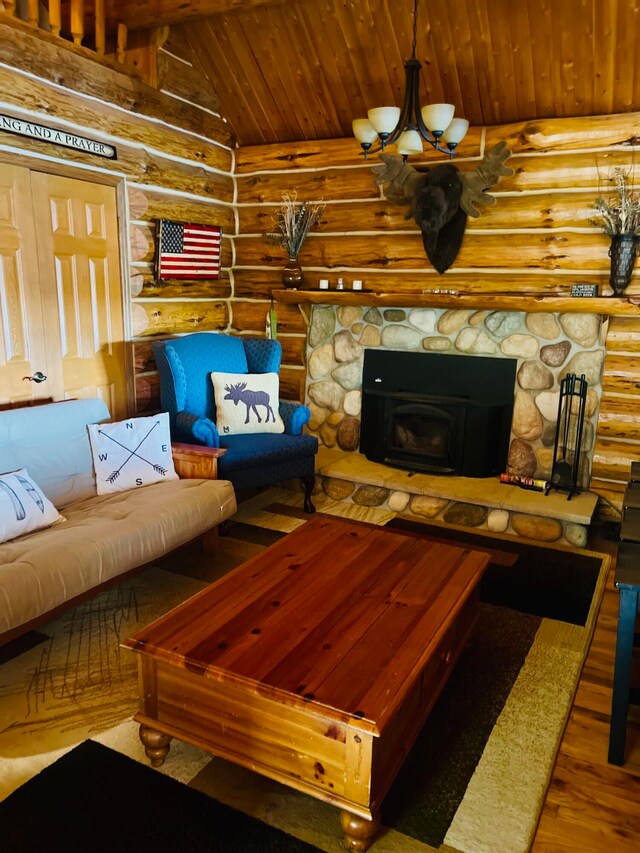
415 29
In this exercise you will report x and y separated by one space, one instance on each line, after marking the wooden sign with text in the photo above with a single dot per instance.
57 137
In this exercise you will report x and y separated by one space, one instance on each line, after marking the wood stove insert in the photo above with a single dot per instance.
443 414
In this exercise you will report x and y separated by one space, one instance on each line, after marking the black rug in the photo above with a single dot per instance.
95 799
542 581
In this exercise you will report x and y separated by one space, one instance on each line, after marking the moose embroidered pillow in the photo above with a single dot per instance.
23 507
247 403
131 453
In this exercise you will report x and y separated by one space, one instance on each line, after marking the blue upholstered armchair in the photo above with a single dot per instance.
260 459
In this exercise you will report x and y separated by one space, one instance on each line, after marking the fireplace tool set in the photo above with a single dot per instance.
565 470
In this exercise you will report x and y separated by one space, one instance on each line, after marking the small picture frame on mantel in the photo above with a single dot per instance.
583 290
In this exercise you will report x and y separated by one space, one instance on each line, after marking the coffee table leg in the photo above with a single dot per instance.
359 833
156 744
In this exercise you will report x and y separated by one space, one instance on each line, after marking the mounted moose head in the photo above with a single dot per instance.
441 198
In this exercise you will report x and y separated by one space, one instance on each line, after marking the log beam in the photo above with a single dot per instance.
490 301
26 93
79 70
148 13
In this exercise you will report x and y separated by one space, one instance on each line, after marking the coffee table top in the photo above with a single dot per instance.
338 614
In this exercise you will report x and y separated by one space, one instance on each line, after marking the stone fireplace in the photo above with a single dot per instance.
543 348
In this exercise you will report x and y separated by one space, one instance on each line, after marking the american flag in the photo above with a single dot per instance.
188 251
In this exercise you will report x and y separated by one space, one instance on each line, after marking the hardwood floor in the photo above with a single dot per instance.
592 806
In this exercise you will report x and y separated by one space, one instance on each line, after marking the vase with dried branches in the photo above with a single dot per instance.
620 214
290 227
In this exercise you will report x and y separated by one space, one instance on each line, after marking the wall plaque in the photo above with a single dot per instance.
584 289
57 137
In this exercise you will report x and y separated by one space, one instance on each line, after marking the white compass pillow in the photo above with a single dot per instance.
247 403
132 453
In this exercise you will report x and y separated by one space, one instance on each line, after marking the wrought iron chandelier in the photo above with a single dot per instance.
407 127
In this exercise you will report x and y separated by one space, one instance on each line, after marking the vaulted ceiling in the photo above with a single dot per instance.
303 69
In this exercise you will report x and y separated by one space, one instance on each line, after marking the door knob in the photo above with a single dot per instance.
37 377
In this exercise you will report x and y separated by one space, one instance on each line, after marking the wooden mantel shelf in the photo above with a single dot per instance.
493 301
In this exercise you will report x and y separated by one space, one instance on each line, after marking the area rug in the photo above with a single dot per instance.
78 673
477 776
96 799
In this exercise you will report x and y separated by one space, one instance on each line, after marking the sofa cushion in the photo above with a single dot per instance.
52 443
132 453
101 538
254 451
23 507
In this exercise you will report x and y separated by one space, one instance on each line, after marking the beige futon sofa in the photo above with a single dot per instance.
102 536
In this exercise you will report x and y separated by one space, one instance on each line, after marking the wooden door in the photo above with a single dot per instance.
77 239
22 350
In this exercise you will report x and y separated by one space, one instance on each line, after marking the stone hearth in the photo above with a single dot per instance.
484 503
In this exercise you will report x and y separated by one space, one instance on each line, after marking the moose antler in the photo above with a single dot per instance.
486 175
402 178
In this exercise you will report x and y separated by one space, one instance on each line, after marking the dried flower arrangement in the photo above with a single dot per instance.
620 215
293 222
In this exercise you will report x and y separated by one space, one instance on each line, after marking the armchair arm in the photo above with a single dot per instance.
192 461
192 428
294 417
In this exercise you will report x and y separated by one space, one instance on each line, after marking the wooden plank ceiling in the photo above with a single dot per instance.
303 69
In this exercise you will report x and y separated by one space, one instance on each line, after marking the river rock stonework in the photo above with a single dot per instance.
545 346
475 517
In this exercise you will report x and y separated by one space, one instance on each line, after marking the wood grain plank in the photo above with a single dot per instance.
252 316
147 205
260 283
623 335
612 459
188 631
292 384
185 288
163 318
541 251
312 607
555 209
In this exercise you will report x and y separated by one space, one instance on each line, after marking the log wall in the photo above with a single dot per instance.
175 161
536 240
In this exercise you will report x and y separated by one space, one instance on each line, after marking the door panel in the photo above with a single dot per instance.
78 252
22 351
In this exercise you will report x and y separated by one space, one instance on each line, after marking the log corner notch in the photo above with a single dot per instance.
84 71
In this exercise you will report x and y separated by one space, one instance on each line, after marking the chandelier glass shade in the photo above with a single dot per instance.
409 126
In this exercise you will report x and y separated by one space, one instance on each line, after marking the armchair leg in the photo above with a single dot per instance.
308 483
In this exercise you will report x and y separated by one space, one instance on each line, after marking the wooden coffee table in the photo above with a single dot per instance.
316 662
